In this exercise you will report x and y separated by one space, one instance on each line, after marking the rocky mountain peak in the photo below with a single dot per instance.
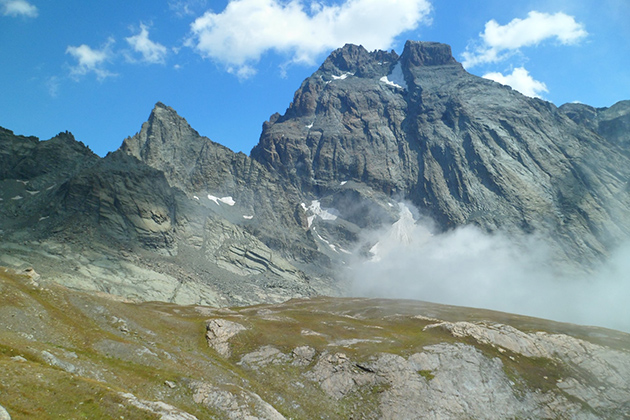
168 143
418 53
164 132
356 60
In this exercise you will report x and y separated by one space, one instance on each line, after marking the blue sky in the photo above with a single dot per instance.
97 68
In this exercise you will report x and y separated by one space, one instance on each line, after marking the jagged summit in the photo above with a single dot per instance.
612 123
168 143
355 58
164 126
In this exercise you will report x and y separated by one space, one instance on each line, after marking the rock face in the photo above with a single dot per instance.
461 148
201 167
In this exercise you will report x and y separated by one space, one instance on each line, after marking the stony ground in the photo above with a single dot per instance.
68 354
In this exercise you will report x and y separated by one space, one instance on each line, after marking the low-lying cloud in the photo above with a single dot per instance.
469 267
238 36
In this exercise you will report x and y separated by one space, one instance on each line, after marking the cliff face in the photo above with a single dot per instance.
461 148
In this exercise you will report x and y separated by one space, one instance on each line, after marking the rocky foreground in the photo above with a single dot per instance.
69 354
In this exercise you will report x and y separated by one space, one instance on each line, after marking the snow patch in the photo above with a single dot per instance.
195 197
324 214
17 197
343 76
51 187
226 200
32 192
395 78
343 182
316 210
248 217
309 126
43 218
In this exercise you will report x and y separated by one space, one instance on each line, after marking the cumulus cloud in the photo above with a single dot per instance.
239 35
469 267
91 60
521 80
499 42
151 52
18 8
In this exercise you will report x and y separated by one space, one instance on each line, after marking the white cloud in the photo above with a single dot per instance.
152 52
18 8
498 42
239 35
516 274
521 80
90 60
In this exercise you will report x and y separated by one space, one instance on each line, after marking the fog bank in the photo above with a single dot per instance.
469 267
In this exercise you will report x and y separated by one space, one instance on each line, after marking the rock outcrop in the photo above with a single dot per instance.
219 332
203 168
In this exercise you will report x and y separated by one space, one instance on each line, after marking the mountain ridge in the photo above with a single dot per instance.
368 129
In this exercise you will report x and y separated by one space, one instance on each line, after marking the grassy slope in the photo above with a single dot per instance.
111 346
